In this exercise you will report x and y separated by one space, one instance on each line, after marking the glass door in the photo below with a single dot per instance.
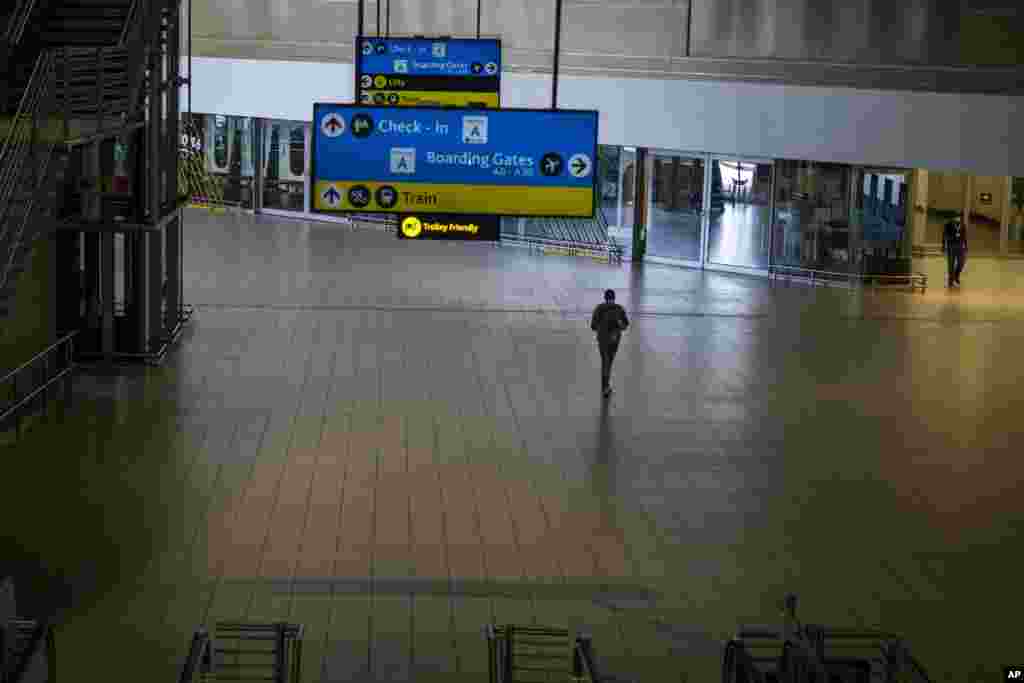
740 212
675 206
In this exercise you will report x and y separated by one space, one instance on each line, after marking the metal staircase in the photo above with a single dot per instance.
78 73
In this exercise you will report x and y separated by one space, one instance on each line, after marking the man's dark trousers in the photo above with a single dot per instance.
955 261
608 350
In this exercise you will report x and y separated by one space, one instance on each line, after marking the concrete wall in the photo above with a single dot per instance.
935 131
946 192
995 186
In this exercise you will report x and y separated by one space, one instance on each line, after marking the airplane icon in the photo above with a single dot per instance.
332 195
551 164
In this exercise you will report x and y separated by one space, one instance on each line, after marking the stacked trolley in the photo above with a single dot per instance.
815 654
245 652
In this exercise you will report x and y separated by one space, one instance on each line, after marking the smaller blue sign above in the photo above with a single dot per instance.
430 57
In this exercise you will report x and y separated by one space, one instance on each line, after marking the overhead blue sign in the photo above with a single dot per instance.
516 162
430 57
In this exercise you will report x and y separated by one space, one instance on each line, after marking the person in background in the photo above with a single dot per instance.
608 321
954 245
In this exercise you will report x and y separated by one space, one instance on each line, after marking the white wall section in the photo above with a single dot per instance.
973 133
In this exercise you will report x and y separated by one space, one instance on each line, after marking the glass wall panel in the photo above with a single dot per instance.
812 215
740 223
879 239
616 173
1016 243
230 151
675 202
284 164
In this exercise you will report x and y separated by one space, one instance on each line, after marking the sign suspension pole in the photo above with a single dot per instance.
558 43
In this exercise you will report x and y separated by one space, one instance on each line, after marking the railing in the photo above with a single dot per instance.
25 159
28 146
798 653
19 18
833 277
44 372
581 237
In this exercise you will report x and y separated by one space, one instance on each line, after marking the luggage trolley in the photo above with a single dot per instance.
814 654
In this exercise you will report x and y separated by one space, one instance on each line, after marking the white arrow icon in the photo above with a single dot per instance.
579 165
332 196
332 125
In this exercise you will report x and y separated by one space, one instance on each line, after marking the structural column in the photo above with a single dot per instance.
1004 223
640 205
919 206
173 280
140 290
968 202
106 264
156 285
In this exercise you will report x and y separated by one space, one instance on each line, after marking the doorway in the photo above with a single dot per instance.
675 206
740 213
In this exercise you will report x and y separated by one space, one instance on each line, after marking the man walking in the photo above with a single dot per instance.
608 321
954 244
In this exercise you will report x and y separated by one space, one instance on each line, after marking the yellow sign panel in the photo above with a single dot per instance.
415 98
444 198
413 227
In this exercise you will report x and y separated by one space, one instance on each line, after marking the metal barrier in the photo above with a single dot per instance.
831 277
809 654
266 652
535 650
41 363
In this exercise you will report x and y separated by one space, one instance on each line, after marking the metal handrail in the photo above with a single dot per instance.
815 274
129 22
18 403
16 153
63 340
19 19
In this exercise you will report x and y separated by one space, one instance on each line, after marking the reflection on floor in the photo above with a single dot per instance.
738 236
673 234
395 443
983 237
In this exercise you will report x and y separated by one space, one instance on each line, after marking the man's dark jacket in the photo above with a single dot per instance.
954 237
608 321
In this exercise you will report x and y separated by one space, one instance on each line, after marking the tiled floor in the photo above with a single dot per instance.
395 443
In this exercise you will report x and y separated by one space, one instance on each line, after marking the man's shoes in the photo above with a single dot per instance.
607 392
